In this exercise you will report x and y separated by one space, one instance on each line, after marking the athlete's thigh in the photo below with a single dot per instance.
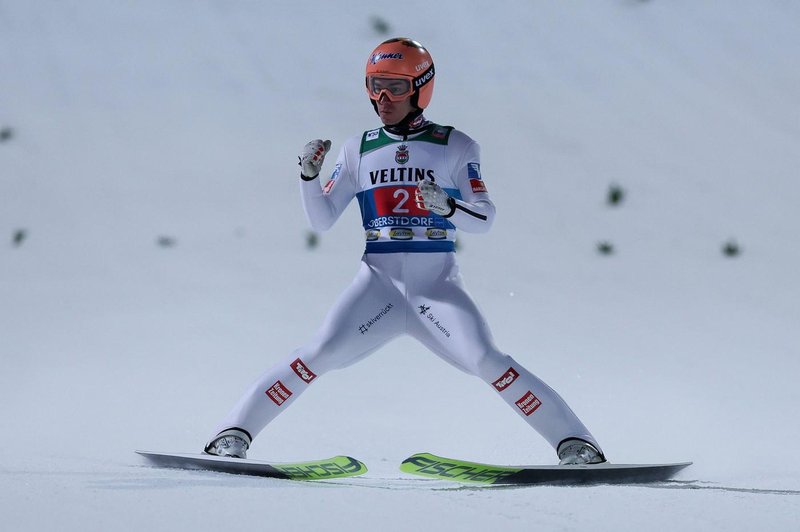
449 322
366 315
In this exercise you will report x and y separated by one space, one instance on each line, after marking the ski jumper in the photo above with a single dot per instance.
408 281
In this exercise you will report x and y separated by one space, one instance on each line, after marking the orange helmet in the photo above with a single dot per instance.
398 68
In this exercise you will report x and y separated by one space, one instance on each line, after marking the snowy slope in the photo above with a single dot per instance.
134 122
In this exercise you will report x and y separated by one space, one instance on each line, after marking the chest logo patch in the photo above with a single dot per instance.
401 156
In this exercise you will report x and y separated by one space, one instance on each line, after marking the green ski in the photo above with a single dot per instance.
336 467
432 466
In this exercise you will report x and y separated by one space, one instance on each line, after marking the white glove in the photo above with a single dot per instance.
312 157
432 197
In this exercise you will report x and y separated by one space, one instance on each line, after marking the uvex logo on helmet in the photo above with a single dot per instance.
424 78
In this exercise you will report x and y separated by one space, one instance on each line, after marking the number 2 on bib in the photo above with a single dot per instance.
396 200
403 195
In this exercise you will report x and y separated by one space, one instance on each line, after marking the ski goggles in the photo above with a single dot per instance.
396 88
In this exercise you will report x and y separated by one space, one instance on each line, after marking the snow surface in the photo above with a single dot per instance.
139 121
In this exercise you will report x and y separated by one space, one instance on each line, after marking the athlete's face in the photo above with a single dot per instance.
392 113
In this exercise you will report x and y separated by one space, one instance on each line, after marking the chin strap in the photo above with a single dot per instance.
413 122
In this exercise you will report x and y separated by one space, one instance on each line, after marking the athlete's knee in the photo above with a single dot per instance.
322 357
310 360
489 364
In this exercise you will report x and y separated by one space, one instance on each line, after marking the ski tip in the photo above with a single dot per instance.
417 455
411 463
358 467
335 467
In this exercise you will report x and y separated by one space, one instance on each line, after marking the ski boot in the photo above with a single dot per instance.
576 452
232 443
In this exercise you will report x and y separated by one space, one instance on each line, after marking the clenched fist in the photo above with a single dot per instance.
432 197
312 158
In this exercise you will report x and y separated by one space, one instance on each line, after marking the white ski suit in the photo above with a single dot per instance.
408 282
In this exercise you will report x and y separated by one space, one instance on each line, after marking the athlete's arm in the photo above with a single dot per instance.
474 212
324 205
